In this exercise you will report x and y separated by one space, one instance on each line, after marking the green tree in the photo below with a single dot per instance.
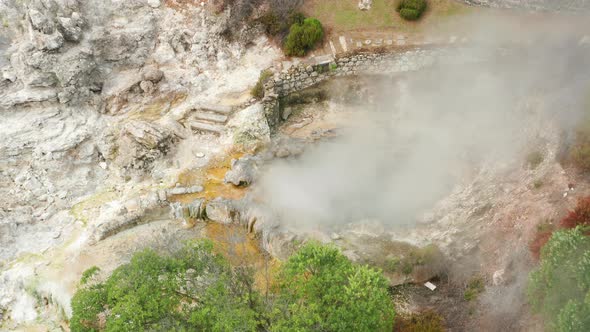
156 293
303 36
560 287
321 290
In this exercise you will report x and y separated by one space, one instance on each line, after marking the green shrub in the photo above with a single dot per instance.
560 287
303 37
258 90
475 287
411 10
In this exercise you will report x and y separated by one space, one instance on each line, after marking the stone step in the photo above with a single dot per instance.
211 117
206 127
220 109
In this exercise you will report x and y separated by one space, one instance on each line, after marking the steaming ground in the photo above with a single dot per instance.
416 141
443 153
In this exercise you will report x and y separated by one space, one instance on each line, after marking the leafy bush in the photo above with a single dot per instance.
303 37
411 10
560 287
258 89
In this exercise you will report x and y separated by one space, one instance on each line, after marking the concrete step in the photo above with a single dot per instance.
211 117
206 127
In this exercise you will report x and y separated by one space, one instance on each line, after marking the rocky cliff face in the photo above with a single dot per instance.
93 96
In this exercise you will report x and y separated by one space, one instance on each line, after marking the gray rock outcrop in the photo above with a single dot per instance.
243 171
221 210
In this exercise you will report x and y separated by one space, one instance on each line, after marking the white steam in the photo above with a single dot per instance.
428 129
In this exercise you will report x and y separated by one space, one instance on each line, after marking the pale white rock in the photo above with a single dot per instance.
154 3
249 127
365 4
498 277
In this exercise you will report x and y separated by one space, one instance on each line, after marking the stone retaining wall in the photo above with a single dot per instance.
367 63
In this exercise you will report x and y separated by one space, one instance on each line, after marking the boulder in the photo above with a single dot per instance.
151 73
40 22
41 80
220 210
147 87
70 28
147 134
49 42
242 171
25 96
249 127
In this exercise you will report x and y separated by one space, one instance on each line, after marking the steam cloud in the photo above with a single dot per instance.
428 128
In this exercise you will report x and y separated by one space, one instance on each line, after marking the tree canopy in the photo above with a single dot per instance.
196 288
560 287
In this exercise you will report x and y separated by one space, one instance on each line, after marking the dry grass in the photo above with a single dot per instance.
343 15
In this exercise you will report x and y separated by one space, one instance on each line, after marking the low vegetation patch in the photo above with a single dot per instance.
258 89
197 289
303 37
580 216
534 159
411 10
578 152
426 321
475 287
